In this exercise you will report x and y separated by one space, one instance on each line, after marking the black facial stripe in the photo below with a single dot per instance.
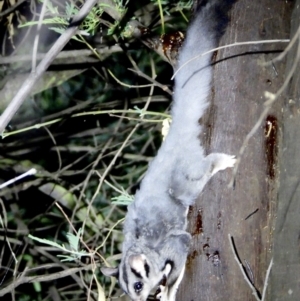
147 269
137 232
125 277
137 274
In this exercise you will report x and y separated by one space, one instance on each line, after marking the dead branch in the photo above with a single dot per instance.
25 89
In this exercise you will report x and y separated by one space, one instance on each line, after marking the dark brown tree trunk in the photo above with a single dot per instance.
247 212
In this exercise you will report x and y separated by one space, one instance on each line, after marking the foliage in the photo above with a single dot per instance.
61 21
89 138
73 240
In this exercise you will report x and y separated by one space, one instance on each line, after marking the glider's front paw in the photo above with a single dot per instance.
221 161
162 296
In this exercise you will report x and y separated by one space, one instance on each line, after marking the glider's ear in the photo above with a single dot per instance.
110 272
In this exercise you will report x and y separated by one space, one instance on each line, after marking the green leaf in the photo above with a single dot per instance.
47 242
74 239
123 199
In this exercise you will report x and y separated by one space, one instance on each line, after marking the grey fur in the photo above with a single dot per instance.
156 243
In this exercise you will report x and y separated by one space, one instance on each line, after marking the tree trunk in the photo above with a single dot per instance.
285 277
248 211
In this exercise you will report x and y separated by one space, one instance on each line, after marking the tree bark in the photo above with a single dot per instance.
285 277
248 211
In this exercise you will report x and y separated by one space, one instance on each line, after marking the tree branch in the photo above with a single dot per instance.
29 279
66 54
24 91
11 9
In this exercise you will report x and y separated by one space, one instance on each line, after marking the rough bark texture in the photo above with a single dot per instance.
237 102
285 277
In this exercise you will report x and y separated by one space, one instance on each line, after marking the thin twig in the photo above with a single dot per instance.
43 278
9 246
266 280
129 111
127 85
56 148
27 86
246 277
37 36
109 232
271 98
249 271
30 172
91 252
286 50
254 290
66 54
11 9
156 83
228 46
137 119
87 179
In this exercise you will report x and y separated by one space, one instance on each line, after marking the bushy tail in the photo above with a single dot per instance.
193 79
181 153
